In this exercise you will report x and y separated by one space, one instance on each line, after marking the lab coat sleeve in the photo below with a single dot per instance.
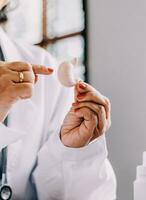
9 135
64 173
74 174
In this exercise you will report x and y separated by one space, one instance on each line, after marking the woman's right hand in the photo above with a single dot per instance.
11 89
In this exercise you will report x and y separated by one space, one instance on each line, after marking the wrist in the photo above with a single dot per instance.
95 148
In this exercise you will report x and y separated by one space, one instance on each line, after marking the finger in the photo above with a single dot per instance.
97 109
39 69
102 124
78 90
22 66
83 87
95 97
75 93
22 90
28 76
19 66
92 106
101 120
90 119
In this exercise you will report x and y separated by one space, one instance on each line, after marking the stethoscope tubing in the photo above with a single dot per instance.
4 165
4 187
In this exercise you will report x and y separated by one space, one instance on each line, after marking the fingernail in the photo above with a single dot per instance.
82 85
81 96
50 69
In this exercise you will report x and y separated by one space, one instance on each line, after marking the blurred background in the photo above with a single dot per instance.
59 26
109 39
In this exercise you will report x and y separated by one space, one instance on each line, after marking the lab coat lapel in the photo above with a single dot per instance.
24 111
9 50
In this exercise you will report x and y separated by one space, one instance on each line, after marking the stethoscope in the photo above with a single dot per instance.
5 189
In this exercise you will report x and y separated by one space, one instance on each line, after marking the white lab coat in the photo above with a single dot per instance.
39 165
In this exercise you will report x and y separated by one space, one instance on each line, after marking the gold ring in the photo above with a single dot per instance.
21 77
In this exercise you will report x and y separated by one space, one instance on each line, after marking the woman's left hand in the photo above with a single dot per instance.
88 118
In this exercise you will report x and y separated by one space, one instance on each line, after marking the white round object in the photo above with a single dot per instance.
66 74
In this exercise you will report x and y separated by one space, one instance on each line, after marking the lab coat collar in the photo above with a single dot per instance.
27 117
9 50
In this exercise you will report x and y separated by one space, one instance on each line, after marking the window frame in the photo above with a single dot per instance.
84 33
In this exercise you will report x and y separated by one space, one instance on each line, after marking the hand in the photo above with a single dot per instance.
11 90
88 118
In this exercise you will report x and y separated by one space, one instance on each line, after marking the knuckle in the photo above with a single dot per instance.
25 65
30 77
101 108
107 102
88 112
28 66
15 63
92 115
95 121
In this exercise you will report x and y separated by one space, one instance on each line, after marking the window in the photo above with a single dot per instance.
57 25
64 31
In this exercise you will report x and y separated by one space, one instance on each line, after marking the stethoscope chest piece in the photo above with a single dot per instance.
5 192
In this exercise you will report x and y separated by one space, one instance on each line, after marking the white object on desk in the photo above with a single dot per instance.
140 182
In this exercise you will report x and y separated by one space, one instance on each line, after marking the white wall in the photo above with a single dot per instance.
117 63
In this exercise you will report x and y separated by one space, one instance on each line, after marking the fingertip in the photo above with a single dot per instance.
81 87
51 70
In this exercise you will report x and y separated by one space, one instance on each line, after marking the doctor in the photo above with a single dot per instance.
56 148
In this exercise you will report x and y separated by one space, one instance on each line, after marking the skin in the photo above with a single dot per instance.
11 90
88 118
